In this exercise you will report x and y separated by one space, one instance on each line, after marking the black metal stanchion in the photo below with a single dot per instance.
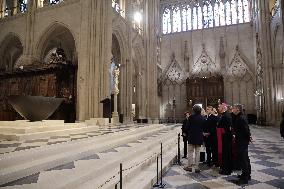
157 183
161 184
178 160
120 176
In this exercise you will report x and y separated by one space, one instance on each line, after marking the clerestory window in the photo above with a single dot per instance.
201 14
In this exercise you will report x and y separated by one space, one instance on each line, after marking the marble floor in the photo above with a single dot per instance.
267 161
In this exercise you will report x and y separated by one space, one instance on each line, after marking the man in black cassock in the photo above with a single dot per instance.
225 122
242 136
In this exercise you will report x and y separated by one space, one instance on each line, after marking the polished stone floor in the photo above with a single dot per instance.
267 161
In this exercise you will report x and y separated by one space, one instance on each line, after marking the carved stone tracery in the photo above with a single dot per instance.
204 66
238 67
175 72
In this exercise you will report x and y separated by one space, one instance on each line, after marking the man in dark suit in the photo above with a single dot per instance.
210 137
242 136
184 133
225 123
195 138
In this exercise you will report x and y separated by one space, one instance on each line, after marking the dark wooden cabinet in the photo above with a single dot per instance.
52 80
205 91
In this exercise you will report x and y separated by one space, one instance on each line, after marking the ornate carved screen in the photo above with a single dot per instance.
205 91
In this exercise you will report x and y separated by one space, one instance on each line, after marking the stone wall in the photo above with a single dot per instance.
220 45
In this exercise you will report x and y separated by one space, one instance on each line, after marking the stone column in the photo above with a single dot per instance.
151 29
127 65
2 7
28 56
15 7
264 33
94 55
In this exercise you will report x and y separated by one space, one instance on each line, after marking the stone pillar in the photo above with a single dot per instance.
28 56
263 30
15 7
2 8
151 29
127 65
94 55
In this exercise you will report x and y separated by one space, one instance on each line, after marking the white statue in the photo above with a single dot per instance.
115 80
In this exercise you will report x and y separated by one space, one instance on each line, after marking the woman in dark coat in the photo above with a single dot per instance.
195 138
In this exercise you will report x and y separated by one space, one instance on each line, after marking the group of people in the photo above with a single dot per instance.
226 135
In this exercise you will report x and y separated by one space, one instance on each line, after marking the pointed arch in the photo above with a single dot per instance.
57 35
11 48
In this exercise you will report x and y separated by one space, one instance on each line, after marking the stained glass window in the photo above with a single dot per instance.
185 17
199 18
194 18
234 12
115 5
240 12
205 16
23 5
216 15
222 14
54 2
176 19
246 11
228 13
210 16
167 27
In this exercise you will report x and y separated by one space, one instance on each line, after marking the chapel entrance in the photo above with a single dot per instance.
204 91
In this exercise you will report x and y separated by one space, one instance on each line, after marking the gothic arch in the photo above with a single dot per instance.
118 34
11 48
54 36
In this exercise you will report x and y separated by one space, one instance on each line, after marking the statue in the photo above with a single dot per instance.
115 80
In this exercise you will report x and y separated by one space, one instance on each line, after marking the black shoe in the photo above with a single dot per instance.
242 182
224 172
240 176
197 170
184 157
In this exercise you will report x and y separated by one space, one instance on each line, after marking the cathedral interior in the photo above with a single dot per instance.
88 84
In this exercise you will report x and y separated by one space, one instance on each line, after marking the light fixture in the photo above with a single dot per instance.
137 17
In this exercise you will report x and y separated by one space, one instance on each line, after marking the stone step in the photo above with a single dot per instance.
24 129
57 131
136 160
16 165
148 176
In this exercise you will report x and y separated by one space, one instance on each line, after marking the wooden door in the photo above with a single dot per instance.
205 91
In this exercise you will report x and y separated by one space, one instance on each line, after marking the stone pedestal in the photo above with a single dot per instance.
115 118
